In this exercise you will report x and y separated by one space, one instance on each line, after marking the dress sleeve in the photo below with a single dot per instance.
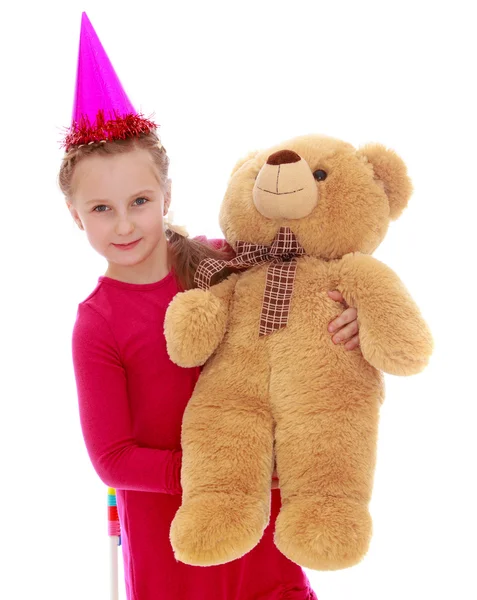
104 414
220 244
217 243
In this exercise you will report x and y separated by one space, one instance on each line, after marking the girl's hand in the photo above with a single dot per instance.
344 329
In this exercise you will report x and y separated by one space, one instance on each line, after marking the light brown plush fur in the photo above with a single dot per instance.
293 394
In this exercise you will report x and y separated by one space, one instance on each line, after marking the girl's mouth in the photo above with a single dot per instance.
127 246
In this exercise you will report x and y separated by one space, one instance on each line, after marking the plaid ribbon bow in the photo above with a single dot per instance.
280 275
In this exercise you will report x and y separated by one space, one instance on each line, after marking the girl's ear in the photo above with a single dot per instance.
167 196
74 214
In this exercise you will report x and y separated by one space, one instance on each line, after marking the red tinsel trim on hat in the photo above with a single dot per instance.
118 127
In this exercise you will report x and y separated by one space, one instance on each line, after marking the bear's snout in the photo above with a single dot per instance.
285 187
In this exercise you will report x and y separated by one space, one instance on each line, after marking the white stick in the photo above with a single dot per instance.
113 566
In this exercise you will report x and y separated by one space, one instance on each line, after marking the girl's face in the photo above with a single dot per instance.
118 199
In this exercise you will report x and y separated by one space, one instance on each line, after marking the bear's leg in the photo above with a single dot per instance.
227 461
325 451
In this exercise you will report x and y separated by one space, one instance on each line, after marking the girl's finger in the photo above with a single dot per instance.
347 316
353 343
346 333
337 297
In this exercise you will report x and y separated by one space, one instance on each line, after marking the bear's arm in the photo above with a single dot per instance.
394 337
196 322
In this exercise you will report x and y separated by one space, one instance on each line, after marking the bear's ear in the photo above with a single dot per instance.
242 161
390 172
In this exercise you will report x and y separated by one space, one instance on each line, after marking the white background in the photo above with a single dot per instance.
224 78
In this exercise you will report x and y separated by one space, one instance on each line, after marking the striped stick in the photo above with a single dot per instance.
114 532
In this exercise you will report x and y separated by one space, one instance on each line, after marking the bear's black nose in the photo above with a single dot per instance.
283 157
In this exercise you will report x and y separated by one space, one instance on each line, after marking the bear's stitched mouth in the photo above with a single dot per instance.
279 193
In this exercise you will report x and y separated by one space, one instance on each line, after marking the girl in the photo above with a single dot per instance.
131 396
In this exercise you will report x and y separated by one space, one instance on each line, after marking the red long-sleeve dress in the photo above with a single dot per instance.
131 401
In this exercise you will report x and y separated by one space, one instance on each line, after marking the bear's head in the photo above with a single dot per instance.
335 198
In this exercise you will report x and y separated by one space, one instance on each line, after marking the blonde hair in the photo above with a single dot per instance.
184 254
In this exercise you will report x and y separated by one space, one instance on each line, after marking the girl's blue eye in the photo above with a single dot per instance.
103 208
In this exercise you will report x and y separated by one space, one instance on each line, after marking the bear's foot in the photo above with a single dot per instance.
215 528
323 533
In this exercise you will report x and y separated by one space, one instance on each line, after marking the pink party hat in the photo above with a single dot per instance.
102 110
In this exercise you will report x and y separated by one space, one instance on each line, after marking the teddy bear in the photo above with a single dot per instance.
303 217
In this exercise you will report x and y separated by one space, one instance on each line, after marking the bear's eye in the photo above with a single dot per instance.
320 175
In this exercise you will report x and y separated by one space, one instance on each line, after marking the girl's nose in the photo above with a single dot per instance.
124 225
